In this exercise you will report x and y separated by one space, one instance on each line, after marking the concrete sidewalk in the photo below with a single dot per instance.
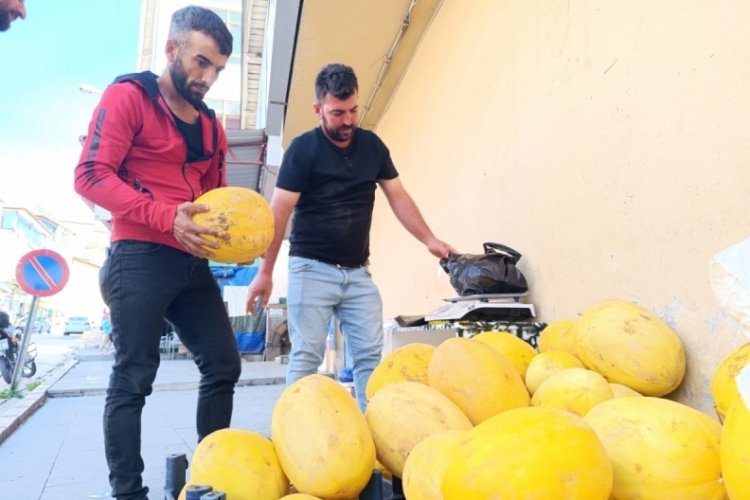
51 445
90 378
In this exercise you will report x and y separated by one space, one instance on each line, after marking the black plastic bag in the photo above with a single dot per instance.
493 272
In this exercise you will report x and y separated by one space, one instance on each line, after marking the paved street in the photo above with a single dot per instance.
52 351
58 454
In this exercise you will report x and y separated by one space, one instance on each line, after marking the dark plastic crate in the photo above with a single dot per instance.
378 488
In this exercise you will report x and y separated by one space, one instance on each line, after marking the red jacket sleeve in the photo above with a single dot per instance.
115 122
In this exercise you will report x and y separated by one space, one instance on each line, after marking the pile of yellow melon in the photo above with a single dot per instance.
488 417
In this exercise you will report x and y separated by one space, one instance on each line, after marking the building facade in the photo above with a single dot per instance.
82 245
225 96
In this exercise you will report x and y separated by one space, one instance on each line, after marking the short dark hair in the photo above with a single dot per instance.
192 18
336 79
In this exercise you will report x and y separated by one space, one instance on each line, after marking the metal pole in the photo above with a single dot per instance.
21 354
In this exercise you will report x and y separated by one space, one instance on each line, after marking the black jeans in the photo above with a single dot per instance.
143 283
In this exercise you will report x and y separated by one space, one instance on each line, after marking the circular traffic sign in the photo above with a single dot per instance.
42 272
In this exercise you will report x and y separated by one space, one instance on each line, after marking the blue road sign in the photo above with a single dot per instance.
42 272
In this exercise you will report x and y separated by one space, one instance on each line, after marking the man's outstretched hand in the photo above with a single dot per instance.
439 248
259 292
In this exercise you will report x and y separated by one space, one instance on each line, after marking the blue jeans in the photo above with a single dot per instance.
318 292
144 283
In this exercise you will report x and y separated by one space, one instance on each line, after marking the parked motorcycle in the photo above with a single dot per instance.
9 347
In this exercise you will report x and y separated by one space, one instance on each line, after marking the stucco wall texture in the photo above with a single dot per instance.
606 141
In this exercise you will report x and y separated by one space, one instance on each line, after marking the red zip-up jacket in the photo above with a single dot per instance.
134 160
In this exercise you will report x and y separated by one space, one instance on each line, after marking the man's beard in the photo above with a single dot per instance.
337 134
179 78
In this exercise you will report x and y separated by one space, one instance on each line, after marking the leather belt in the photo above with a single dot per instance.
348 268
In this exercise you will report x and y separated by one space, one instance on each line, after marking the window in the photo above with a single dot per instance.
228 112
9 219
233 20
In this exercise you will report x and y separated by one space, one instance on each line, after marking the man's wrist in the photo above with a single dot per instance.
265 270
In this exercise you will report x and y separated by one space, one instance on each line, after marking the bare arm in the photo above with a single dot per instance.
282 204
408 214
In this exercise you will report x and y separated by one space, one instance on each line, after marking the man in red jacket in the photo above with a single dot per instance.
152 148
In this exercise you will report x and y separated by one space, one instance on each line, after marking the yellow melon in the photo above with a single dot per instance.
427 463
244 219
299 496
402 414
558 335
735 452
407 363
628 345
545 364
240 463
574 389
516 350
660 449
623 391
481 381
723 385
322 439
530 453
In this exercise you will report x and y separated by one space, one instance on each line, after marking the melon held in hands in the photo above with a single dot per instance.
244 219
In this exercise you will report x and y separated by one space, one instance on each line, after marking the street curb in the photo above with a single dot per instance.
174 386
14 413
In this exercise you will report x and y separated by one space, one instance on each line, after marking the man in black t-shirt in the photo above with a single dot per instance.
329 175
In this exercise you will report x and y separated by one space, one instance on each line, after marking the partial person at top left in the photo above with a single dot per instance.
10 10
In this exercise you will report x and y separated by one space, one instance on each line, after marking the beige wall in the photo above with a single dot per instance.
607 141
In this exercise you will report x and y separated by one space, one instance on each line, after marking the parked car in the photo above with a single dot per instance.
76 324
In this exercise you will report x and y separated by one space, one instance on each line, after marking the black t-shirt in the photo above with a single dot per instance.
333 216
193 134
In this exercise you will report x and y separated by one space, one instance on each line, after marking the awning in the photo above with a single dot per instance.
246 157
